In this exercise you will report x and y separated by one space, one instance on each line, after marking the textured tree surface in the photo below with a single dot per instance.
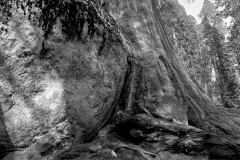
118 93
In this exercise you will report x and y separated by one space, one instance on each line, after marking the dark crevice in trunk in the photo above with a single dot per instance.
124 92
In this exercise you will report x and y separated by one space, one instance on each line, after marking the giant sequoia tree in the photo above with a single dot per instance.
144 100
227 80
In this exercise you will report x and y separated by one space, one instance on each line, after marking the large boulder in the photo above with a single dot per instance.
53 91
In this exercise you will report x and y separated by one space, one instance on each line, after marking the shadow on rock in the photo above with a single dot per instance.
5 142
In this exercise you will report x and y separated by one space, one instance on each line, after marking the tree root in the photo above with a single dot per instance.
147 122
172 137
118 145
145 154
188 140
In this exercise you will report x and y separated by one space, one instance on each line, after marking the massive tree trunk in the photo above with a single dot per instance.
155 107
160 64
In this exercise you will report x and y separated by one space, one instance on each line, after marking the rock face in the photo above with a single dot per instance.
52 90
